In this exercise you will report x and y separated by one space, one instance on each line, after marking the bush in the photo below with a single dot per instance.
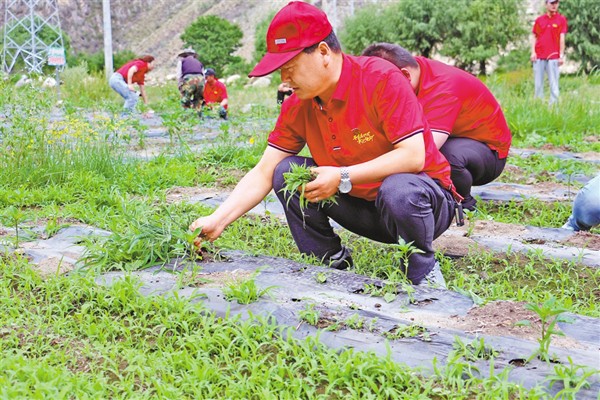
260 34
484 29
95 61
369 25
583 38
215 39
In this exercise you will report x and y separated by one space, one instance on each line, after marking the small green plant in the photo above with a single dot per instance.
398 268
53 226
245 291
472 218
334 326
14 216
407 331
372 324
476 350
296 180
355 321
321 277
550 314
572 377
388 291
310 315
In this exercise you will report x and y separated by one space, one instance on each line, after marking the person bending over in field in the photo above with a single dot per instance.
466 120
133 72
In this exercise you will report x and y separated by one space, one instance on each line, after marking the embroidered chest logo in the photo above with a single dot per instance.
361 138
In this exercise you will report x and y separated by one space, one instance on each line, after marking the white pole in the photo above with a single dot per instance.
108 59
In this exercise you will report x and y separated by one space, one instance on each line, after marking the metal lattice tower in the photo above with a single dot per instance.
29 17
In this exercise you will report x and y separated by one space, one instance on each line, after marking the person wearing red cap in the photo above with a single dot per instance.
548 49
465 118
370 146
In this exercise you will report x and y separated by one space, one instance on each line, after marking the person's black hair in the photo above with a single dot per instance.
393 53
331 40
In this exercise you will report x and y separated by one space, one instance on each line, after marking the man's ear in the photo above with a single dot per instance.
406 72
323 48
325 52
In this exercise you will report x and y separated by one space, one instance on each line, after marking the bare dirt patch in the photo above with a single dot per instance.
54 266
584 240
217 279
498 318
181 193
456 241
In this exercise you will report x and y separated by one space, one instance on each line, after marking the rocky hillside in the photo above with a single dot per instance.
154 26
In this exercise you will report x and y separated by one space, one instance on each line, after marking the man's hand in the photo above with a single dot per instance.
211 229
325 184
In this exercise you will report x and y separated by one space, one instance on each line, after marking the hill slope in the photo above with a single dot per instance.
154 26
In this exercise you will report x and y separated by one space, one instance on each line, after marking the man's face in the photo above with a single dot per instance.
210 78
304 74
552 7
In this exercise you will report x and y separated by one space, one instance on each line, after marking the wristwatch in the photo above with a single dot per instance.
345 184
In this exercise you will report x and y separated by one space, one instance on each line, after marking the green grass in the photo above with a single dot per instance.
70 338
572 125
67 337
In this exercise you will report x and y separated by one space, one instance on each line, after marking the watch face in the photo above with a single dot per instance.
345 186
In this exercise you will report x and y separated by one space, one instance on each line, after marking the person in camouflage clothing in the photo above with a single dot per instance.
190 79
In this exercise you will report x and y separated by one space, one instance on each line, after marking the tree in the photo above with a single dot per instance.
583 38
369 25
215 39
484 29
422 25
260 33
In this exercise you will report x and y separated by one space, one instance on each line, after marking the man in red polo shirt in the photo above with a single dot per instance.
370 145
465 118
215 93
548 49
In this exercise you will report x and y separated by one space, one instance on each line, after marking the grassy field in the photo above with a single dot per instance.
66 337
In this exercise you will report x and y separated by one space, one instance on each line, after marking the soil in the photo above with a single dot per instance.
456 242
498 318
53 266
586 240
181 193
217 279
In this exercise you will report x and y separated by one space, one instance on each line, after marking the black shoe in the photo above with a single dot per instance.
341 260
469 203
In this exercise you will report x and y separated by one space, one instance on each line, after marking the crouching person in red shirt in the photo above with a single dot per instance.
215 93
466 120
370 146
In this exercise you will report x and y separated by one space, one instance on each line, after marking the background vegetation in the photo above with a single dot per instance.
216 39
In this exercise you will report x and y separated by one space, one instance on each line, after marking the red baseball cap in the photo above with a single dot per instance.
295 27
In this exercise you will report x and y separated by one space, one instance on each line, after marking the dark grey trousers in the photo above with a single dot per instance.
408 206
473 163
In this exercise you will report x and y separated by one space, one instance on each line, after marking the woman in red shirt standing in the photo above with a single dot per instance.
132 72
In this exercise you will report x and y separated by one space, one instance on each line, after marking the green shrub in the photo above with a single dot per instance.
215 39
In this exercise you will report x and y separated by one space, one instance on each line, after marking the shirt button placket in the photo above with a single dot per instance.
335 144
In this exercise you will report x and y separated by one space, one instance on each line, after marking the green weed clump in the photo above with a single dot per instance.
296 180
